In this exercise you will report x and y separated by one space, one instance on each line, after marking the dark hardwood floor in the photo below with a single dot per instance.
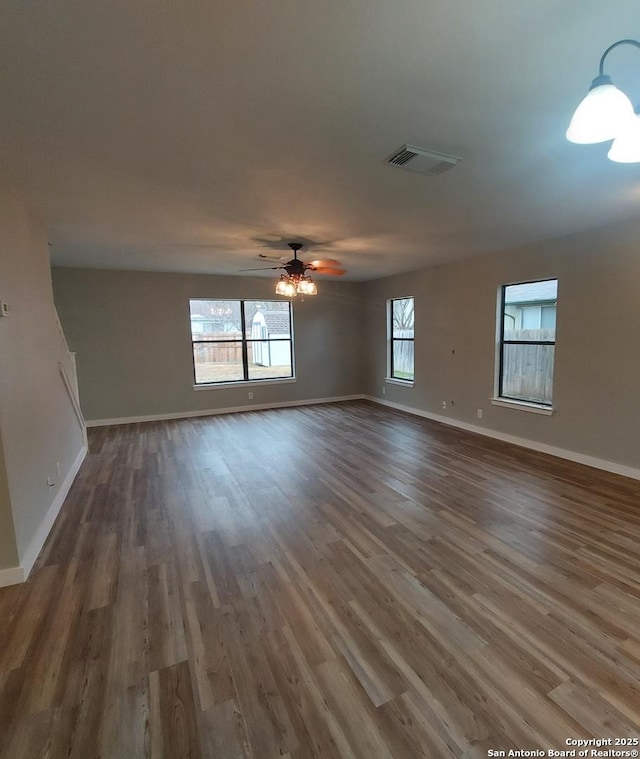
327 581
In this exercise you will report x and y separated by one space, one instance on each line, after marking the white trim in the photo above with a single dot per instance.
552 450
215 411
11 576
401 382
74 401
533 408
245 383
34 548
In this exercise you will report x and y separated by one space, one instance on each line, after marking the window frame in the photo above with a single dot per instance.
509 399
244 341
391 340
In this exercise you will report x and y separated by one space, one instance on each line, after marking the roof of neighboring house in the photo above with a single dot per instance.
277 321
532 292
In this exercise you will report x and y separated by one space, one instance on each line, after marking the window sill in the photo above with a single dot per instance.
532 408
242 383
396 381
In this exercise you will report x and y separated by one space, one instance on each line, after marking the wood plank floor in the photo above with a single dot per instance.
328 581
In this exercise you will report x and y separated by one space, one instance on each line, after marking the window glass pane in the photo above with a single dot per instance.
215 319
267 319
531 317
549 319
402 317
403 361
527 372
523 318
269 359
218 362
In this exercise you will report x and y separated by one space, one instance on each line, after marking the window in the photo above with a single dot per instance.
527 341
241 340
401 339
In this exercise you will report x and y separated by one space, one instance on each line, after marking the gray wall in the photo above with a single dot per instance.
38 427
597 359
131 333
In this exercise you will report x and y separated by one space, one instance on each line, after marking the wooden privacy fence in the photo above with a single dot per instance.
403 353
527 370
221 353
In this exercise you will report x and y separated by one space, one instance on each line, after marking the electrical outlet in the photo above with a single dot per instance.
479 413
444 404
250 396
384 391
58 468
4 309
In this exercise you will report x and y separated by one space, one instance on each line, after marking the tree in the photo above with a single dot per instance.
403 314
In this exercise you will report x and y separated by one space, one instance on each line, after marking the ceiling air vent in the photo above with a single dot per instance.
421 160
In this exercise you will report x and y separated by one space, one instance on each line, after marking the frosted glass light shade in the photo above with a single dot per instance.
601 115
626 146
307 287
286 288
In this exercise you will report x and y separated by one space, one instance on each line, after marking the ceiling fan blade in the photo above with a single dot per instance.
263 268
332 271
330 262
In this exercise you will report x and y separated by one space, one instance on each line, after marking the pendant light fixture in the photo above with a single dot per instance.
626 146
606 113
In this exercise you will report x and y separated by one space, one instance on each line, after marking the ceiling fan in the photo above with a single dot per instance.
296 279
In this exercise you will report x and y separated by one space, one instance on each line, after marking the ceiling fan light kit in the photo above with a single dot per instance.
606 113
290 285
295 281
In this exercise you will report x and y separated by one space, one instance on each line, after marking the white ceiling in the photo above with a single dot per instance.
190 136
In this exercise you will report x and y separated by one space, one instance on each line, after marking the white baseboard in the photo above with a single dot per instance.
31 554
11 576
562 453
215 411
